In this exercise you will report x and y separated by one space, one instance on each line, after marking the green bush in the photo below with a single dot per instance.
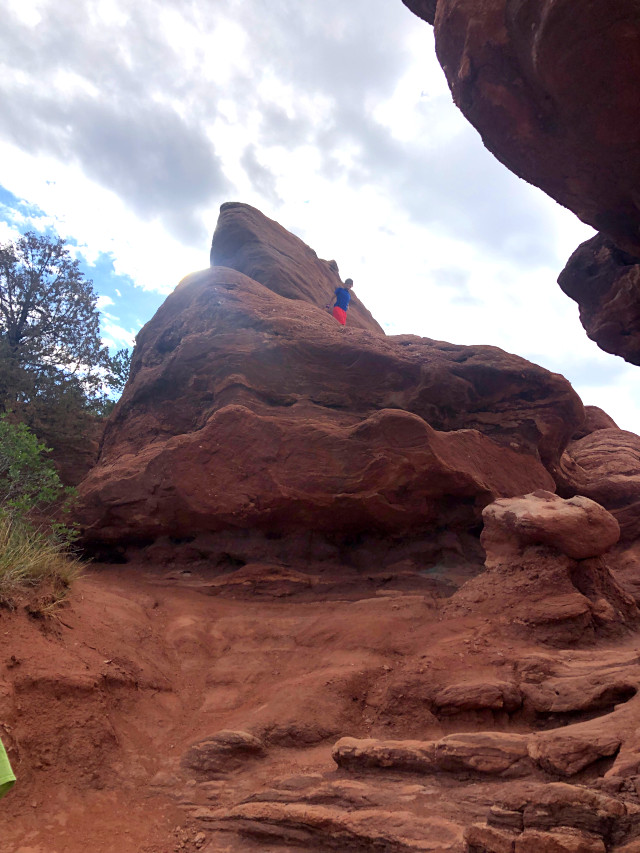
28 480
34 544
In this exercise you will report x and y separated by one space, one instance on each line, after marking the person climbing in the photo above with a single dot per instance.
7 779
342 302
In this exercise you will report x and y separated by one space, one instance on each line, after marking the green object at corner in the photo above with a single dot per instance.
7 779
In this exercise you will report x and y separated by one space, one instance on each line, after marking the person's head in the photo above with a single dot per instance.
348 283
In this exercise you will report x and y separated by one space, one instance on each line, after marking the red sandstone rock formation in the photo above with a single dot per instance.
553 93
248 241
248 409
554 96
548 557
594 419
605 466
605 282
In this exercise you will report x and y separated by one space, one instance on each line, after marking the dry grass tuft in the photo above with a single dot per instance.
30 559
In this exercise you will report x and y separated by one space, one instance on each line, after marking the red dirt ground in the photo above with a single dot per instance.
100 700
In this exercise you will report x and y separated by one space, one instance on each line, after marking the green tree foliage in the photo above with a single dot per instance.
34 547
49 323
120 366
28 480
53 367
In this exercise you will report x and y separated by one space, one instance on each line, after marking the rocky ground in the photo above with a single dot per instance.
180 707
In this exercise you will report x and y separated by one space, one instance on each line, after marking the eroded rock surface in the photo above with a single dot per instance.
578 527
554 96
248 241
605 466
605 282
549 558
249 409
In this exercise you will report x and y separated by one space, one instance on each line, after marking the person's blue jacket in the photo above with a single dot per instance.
342 298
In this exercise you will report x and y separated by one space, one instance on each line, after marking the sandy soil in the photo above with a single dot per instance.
99 702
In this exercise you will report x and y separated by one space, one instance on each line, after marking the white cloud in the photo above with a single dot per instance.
103 301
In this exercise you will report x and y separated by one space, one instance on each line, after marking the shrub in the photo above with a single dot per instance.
29 558
28 480
34 544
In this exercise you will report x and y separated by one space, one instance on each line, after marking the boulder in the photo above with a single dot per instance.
540 578
605 282
487 753
578 527
594 419
247 409
248 241
567 752
477 696
221 753
605 466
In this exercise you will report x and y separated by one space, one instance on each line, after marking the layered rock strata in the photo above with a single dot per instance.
605 466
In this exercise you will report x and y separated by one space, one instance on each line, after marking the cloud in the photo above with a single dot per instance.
262 179
112 105
103 301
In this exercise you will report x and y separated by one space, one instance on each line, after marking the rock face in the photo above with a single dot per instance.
547 556
223 752
248 241
425 9
605 282
249 409
605 466
594 419
554 96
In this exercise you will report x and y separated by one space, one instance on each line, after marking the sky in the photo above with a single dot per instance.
124 126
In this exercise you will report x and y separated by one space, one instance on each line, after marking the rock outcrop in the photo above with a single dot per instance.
554 96
548 557
249 409
605 466
605 282
248 241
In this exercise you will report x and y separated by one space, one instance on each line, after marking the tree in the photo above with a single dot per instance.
119 368
49 324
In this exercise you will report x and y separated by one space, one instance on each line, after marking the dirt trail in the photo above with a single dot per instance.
101 702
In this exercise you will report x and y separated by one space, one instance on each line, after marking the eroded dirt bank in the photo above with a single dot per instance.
103 702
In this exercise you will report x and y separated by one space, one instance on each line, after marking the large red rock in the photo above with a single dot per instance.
578 527
554 96
425 9
605 466
247 409
594 419
552 89
248 241
250 410
605 282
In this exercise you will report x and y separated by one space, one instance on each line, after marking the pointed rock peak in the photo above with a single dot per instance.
425 9
248 241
